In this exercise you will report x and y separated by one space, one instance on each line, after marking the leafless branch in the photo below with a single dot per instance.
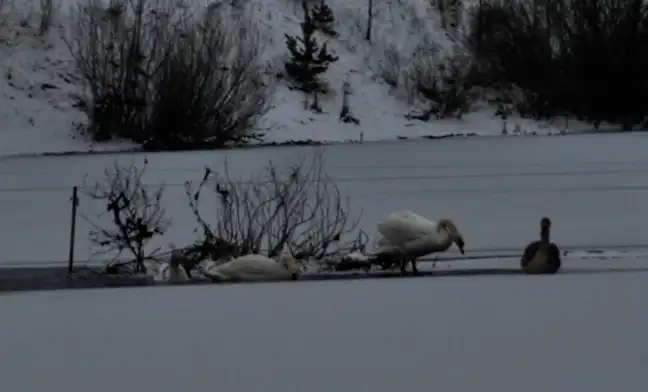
118 50
298 208
210 90
390 67
445 83
167 77
136 215
209 246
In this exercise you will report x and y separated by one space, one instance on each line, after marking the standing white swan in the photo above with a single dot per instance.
407 236
256 267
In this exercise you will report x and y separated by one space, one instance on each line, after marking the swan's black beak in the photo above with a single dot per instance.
460 244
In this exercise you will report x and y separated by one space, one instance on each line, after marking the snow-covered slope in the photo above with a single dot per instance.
38 86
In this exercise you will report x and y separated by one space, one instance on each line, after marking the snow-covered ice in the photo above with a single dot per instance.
495 190
39 86
581 330
570 332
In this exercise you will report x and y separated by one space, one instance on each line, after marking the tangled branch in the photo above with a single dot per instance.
299 209
136 215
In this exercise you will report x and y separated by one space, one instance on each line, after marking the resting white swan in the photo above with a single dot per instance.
256 267
407 236
173 271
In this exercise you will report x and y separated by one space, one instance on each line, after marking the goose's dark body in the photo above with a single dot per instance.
542 256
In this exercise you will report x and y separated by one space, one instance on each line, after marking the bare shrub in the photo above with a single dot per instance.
136 216
512 43
299 209
164 77
390 66
513 40
210 89
118 50
446 84
571 43
209 246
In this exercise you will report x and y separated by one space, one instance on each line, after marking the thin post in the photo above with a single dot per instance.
75 203
369 21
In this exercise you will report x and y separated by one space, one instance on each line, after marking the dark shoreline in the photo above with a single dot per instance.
19 279
295 143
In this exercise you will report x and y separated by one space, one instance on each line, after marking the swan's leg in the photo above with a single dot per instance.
415 270
403 265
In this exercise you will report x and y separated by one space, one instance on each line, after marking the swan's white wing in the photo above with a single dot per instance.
422 224
384 246
357 256
247 266
207 265
401 227
256 264
424 245
224 271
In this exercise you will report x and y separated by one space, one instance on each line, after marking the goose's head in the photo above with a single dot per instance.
291 265
449 227
545 223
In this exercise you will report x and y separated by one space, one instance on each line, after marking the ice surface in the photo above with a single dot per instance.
507 334
580 330
592 187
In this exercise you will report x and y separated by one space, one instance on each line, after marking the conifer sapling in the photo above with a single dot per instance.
307 60
324 19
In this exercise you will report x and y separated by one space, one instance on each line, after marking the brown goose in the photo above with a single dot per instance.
542 256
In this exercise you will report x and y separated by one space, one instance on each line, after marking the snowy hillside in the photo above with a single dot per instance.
39 87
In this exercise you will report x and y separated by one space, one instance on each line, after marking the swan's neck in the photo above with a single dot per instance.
445 240
174 271
544 234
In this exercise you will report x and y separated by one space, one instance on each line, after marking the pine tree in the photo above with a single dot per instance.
324 19
307 60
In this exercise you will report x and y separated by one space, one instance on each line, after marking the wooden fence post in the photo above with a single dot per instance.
75 203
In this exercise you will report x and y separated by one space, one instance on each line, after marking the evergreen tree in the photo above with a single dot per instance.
324 19
307 60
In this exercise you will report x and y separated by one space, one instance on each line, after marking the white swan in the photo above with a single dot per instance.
173 271
256 267
407 236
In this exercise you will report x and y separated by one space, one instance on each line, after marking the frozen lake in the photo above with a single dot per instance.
567 332
580 330
593 187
